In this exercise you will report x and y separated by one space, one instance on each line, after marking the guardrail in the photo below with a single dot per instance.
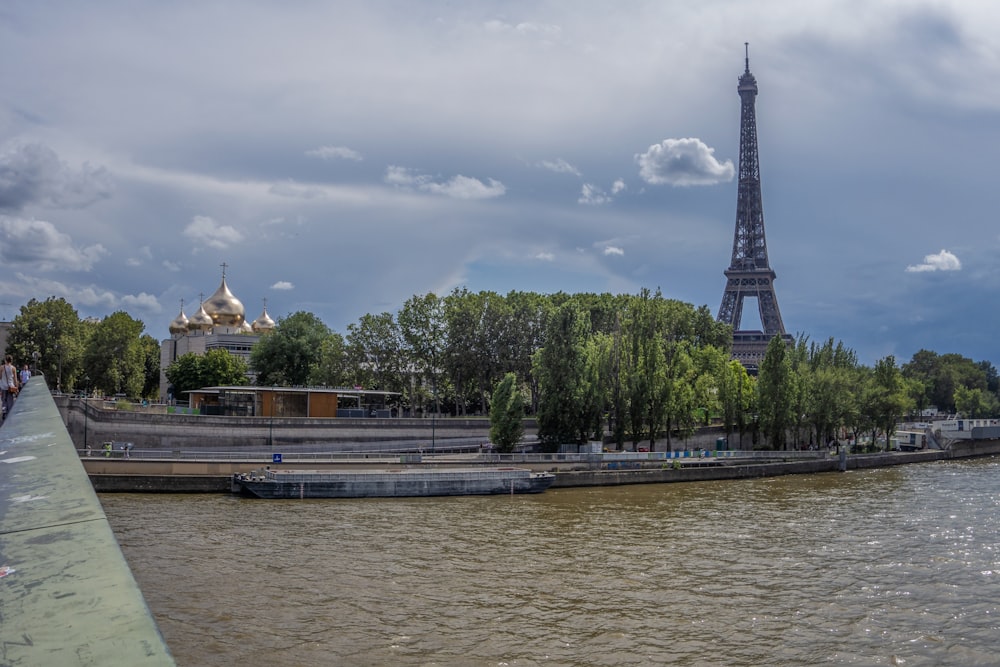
472 456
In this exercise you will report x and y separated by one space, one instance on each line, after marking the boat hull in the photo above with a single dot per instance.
396 484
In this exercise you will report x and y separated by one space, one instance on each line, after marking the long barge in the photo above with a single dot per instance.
409 482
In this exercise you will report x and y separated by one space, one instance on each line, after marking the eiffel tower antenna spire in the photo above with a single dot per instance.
749 273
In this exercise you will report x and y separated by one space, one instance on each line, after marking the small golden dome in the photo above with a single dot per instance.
224 308
180 323
245 328
200 321
264 323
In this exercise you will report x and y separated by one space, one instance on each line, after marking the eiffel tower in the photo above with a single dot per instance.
749 274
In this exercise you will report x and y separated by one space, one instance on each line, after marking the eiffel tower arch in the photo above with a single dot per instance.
749 273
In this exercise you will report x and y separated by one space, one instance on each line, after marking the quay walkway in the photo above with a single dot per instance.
67 596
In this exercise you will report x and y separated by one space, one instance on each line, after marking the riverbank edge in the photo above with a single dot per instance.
141 483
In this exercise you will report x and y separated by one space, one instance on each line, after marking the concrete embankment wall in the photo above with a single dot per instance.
213 477
90 423
87 423
746 471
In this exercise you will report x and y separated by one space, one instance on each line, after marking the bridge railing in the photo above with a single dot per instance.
67 596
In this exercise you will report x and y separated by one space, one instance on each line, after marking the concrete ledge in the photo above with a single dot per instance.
67 596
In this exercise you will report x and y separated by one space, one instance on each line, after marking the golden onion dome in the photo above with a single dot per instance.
180 323
245 328
200 321
224 308
264 323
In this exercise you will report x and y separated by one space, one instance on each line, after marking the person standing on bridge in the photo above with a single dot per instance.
8 384
24 376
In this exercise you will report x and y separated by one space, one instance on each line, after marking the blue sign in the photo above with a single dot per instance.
275 458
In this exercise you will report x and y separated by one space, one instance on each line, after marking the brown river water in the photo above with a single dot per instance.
897 566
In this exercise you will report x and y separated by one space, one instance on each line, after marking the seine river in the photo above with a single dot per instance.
898 566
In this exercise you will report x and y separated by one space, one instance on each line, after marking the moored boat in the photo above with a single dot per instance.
408 482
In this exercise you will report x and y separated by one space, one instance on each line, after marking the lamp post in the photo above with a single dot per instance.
434 414
34 359
83 402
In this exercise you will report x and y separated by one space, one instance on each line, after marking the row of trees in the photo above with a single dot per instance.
111 356
638 367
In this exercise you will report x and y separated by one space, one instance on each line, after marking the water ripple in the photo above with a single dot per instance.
880 567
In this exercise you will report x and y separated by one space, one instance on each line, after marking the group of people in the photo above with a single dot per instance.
11 383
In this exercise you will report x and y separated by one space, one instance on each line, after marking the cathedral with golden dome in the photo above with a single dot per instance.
219 323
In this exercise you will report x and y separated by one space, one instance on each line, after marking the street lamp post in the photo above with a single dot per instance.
83 402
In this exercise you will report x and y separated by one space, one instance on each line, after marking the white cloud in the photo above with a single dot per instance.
613 250
545 256
142 301
559 166
464 187
173 267
334 152
942 261
682 162
592 195
144 254
458 187
296 191
40 244
206 230
282 285
547 32
618 187
88 295
403 176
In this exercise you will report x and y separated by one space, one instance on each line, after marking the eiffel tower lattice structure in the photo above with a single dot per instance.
749 274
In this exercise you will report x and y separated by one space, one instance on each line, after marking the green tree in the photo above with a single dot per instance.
506 414
528 312
52 330
375 350
941 374
185 374
216 368
561 370
887 400
219 368
975 403
736 392
151 366
331 368
422 325
776 391
115 356
289 355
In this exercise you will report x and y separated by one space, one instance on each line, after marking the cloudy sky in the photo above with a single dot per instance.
342 157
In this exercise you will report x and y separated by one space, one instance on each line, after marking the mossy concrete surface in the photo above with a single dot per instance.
67 596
